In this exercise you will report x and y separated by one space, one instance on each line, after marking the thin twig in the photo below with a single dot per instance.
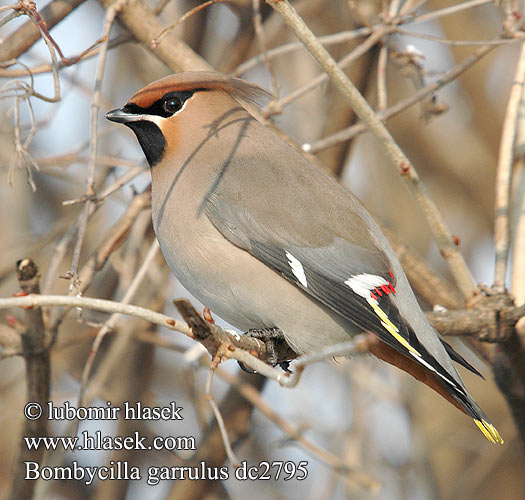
334 39
361 49
447 11
108 191
220 421
257 23
448 77
111 13
108 306
46 68
458 43
112 321
382 100
293 431
518 250
156 41
504 175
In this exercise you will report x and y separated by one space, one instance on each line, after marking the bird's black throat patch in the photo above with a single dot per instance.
150 138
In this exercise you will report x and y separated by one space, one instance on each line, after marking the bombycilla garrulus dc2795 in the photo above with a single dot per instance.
269 242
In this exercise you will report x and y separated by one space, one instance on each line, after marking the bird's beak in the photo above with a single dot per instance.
120 115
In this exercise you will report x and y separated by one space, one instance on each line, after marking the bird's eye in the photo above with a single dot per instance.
172 104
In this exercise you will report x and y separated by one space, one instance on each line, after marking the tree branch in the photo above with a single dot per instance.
24 37
504 175
38 372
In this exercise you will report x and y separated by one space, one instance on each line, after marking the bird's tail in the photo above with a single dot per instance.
480 419
437 379
468 404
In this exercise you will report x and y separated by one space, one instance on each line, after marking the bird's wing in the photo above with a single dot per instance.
319 240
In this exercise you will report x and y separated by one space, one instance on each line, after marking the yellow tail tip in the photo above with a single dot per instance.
489 431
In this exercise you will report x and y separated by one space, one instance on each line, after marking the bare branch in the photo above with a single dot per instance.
24 37
38 373
220 421
112 321
294 432
95 107
504 175
448 77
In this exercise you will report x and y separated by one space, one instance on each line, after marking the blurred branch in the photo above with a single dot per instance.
504 175
220 420
10 341
294 432
492 322
145 27
447 11
463 43
344 36
263 46
111 13
46 68
112 321
518 253
518 213
427 283
382 60
24 37
376 36
236 411
448 77
382 98
38 372
509 374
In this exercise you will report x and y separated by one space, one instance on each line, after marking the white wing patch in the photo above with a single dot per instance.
297 269
363 284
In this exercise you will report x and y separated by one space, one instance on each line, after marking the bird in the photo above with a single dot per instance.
269 242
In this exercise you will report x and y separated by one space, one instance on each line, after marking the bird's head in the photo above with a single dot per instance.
183 102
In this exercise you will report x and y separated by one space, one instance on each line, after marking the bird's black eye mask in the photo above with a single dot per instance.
149 135
167 106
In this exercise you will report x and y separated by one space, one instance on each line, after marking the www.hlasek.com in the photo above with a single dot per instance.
99 441
121 470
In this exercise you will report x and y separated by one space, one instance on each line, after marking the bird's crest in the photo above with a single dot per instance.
242 91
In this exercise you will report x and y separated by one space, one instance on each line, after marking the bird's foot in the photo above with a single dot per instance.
277 349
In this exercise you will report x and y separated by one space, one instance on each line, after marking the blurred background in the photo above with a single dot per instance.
357 413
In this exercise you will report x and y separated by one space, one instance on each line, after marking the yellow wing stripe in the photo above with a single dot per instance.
489 431
390 327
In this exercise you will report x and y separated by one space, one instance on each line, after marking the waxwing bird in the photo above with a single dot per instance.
269 242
